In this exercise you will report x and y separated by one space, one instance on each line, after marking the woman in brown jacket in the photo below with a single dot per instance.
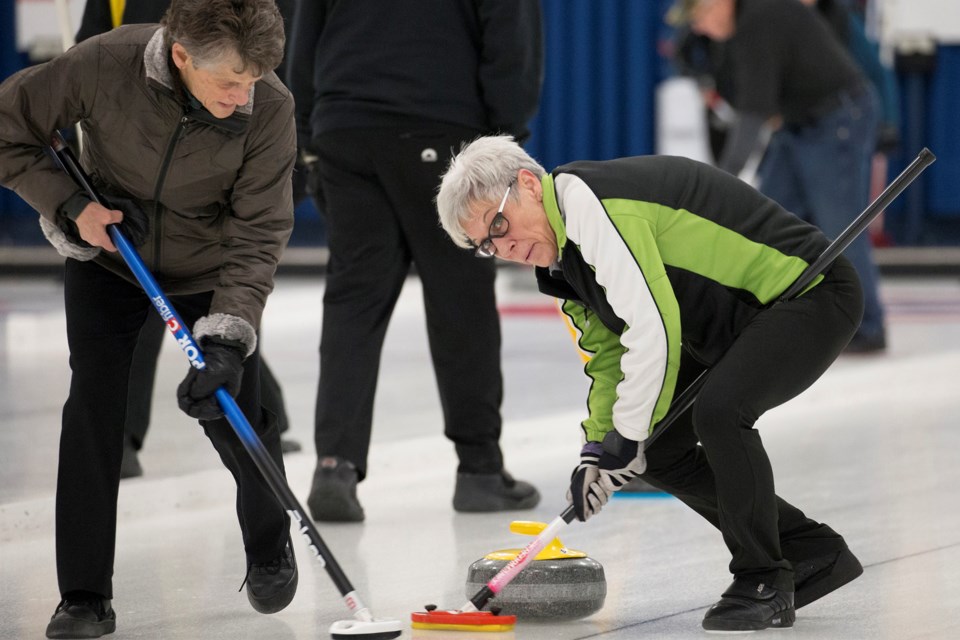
190 134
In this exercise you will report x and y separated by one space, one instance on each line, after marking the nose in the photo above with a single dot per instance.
240 96
506 248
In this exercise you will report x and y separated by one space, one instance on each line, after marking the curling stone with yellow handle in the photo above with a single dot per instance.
560 583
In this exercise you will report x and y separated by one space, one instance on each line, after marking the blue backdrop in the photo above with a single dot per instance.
602 67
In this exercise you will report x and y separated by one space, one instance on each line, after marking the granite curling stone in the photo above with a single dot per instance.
559 583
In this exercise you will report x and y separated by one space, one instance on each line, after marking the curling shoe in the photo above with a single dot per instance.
333 495
82 616
815 578
748 605
130 464
484 492
872 343
272 585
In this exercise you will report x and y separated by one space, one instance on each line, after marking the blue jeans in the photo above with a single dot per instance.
820 171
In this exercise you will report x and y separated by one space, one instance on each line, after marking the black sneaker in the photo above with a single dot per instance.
289 446
272 585
333 496
866 344
82 617
747 605
130 465
482 492
815 578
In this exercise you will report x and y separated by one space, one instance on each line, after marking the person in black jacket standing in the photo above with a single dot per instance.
385 93
784 67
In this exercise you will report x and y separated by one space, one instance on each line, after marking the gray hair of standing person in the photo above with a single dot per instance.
213 31
481 172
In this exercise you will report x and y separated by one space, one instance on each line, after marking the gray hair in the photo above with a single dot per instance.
214 30
481 172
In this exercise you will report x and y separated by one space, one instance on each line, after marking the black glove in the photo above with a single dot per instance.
196 395
299 179
310 166
135 224
888 138
586 493
622 460
604 470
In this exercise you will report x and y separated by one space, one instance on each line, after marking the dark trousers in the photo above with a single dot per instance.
378 189
712 458
104 316
143 372
821 172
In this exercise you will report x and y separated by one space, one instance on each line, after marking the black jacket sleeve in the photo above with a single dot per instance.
307 26
96 19
741 142
511 63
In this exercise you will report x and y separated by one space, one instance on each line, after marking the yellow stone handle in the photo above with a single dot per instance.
527 527
553 551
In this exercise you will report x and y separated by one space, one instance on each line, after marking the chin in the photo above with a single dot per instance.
222 112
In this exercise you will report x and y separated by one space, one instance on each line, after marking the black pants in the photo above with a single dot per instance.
143 372
104 317
712 458
378 189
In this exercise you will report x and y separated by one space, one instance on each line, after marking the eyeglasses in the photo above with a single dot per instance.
498 228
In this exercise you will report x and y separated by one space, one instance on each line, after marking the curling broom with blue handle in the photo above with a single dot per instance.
364 625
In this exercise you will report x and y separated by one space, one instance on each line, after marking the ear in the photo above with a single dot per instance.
530 182
180 56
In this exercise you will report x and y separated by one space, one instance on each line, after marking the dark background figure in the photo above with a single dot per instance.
788 69
98 17
197 166
700 58
385 92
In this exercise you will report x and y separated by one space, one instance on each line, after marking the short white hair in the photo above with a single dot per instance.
481 172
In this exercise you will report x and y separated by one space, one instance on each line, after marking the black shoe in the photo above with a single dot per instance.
481 492
289 446
82 617
747 605
130 465
333 496
864 344
272 585
815 578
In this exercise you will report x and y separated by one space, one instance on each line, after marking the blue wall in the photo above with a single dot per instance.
602 66
16 218
600 73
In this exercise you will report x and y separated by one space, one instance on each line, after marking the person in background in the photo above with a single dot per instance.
848 25
190 137
670 268
98 17
380 120
787 69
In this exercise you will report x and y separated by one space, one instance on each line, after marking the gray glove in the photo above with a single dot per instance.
622 460
604 469
586 493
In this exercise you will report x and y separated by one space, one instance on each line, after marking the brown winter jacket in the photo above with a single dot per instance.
217 192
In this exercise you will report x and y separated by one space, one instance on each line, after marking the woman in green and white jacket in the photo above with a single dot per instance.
668 267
